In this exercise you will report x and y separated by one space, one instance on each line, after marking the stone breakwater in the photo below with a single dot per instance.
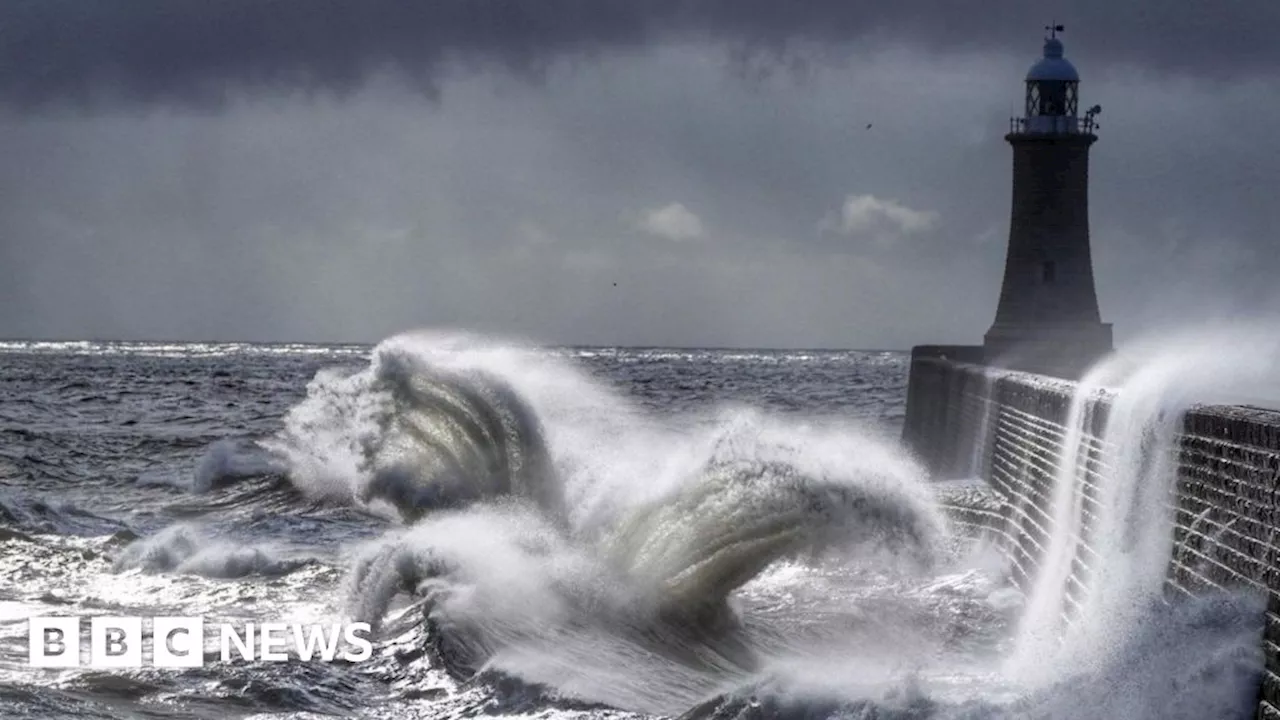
1009 429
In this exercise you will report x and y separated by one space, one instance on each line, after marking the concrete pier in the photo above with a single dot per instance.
1007 428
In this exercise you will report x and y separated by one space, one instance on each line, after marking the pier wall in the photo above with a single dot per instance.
1008 428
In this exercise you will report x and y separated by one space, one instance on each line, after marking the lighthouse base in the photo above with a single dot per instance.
1061 349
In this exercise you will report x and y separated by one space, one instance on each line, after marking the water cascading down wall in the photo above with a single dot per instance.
964 419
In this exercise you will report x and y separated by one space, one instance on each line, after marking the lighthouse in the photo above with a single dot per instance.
1047 319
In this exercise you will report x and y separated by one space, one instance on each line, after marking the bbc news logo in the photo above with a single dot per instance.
117 642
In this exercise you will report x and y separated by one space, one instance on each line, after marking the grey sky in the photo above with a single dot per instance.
243 169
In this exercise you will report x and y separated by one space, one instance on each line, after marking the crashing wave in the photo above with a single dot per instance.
184 549
417 436
741 516
230 460
503 587
1193 659
561 537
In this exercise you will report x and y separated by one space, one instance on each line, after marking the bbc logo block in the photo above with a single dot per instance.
179 642
54 642
115 642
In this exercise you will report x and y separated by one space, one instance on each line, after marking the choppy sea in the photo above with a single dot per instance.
550 532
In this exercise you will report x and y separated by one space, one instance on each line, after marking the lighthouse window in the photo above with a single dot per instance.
1049 271
1053 97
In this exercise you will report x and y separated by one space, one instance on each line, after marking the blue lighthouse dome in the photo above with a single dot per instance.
1053 66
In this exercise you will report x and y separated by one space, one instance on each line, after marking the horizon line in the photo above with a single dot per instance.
335 343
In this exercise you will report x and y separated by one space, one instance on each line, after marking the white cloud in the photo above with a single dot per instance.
674 222
870 215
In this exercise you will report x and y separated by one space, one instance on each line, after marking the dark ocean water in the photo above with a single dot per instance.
550 532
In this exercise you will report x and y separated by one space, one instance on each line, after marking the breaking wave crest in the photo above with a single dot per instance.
738 516
415 435
565 537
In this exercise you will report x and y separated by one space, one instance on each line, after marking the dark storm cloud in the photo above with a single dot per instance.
196 50
636 193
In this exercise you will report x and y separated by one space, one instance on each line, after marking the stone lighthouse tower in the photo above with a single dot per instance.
1047 320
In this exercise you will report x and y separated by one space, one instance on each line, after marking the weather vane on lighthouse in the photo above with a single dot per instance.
1053 29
